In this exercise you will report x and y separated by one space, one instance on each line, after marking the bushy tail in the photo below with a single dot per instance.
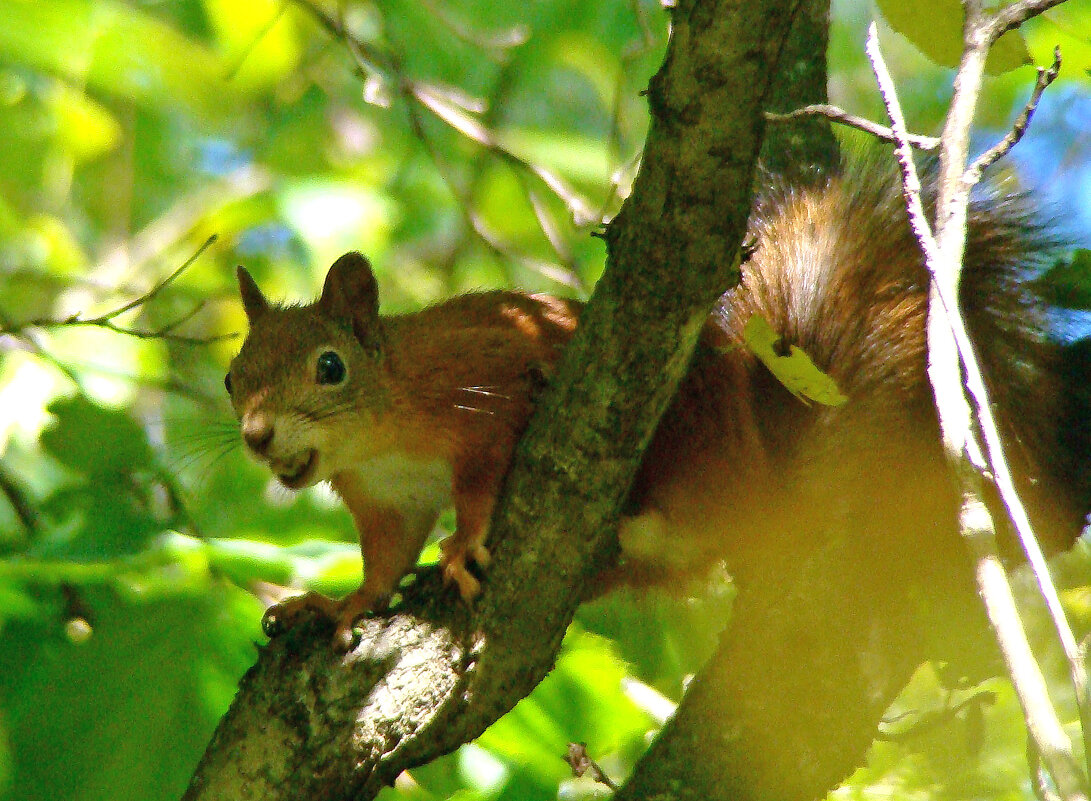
1075 429
838 273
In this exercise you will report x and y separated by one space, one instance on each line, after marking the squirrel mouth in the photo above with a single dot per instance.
299 474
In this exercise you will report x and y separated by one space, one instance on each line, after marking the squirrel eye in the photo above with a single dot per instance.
227 383
331 370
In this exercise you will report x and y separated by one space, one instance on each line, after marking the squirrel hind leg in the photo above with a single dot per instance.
472 512
457 551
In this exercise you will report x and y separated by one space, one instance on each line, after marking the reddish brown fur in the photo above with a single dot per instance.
737 463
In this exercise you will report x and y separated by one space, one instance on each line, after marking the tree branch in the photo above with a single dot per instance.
805 147
108 319
951 355
431 674
1001 148
20 503
838 114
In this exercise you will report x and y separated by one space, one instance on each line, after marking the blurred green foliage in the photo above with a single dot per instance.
137 544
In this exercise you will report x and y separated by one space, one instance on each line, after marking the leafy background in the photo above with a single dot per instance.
475 146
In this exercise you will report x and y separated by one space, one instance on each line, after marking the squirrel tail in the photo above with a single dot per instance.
838 273
1075 425
1041 387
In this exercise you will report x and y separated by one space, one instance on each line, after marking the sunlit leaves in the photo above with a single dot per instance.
132 130
122 445
84 720
935 27
258 40
117 50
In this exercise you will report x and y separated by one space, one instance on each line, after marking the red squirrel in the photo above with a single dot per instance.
408 415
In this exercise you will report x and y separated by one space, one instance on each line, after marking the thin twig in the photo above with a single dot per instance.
370 60
1039 781
371 63
1012 16
495 45
838 114
580 761
982 29
1001 148
106 320
20 503
949 349
159 287
928 721
911 185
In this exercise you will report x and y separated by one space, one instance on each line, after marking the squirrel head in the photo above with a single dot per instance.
309 382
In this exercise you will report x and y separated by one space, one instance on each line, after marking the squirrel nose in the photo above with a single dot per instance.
257 432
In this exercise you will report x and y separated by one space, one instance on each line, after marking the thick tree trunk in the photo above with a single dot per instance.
805 147
825 633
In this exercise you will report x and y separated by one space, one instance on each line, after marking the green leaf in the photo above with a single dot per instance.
583 699
795 371
84 127
151 679
108 510
95 440
1068 283
259 39
935 28
114 48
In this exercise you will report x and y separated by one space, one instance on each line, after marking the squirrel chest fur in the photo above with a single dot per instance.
408 415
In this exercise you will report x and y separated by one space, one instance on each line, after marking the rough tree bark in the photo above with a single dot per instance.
431 675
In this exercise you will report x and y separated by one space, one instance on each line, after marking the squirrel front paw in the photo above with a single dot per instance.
282 616
287 613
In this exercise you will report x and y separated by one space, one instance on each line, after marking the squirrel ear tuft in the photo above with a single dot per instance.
351 294
253 302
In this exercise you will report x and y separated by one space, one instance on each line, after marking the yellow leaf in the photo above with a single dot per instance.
795 371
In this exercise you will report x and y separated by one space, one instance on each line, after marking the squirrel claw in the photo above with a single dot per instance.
271 623
344 637
454 569
480 554
282 616
351 609
453 562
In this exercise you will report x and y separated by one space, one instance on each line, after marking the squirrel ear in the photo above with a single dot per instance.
351 294
253 302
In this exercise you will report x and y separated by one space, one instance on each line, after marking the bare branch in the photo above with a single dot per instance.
495 44
1043 725
911 185
581 763
1039 779
107 320
370 60
1001 148
431 674
20 503
1012 16
838 114
159 287
933 719
950 351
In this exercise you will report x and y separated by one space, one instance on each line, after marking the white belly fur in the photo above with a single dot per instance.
419 489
